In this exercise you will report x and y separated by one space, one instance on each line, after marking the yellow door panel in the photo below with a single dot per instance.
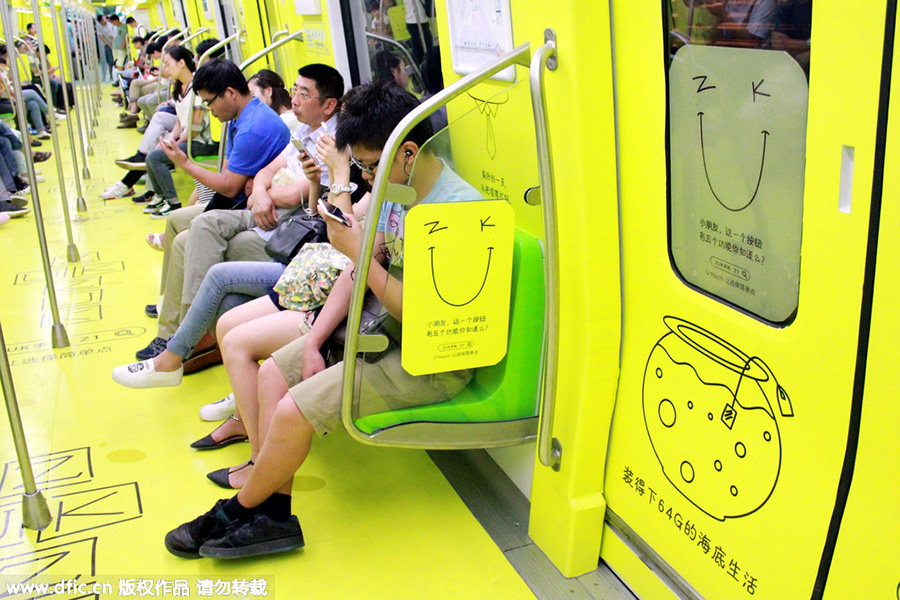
866 561
731 419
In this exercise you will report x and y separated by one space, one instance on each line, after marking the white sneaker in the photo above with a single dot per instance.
218 410
144 375
117 190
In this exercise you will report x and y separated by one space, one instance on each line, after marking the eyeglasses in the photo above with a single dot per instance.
367 169
304 94
209 101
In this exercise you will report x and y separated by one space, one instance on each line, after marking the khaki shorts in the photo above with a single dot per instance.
384 386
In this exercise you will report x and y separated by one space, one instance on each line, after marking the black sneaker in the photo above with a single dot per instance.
136 162
14 208
185 540
144 198
165 210
155 348
151 311
255 536
155 205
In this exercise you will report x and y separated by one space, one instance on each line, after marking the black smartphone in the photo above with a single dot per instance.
333 212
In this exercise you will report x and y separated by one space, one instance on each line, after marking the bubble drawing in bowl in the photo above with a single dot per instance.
711 412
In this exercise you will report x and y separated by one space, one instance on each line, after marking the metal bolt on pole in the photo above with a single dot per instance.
58 335
35 512
71 249
80 204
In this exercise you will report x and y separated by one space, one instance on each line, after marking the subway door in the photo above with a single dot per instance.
746 177
866 560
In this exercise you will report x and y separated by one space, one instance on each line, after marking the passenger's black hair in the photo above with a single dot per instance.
219 74
208 43
270 80
137 38
385 60
370 113
28 26
180 53
328 81
152 47
114 17
130 20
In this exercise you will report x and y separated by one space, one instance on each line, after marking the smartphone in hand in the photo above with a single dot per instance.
306 150
333 212
167 143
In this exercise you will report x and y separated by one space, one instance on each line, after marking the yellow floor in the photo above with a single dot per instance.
115 465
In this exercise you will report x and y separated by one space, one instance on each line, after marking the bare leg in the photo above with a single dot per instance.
242 349
167 361
284 451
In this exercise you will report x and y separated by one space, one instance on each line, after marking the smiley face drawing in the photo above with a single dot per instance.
456 285
711 412
737 158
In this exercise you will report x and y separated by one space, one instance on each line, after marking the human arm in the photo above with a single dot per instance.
260 202
226 182
333 313
338 163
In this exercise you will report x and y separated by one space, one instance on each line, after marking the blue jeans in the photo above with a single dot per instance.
9 168
225 286
36 108
158 174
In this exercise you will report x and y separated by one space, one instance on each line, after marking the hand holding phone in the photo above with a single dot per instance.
300 146
167 143
333 212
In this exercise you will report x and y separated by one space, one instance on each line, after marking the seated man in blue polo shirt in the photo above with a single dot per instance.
256 137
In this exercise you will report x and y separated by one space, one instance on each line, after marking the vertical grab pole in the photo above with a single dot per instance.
71 249
549 448
86 102
58 335
35 512
85 170
63 56
95 55
89 75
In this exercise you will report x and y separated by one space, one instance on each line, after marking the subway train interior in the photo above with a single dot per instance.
620 195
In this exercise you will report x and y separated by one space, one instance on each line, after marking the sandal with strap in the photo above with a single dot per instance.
220 476
208 443
156 241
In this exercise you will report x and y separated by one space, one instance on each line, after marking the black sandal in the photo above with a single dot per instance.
208 443
220 476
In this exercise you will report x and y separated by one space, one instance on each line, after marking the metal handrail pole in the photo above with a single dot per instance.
409 59
519 56
198 33
71 249
549 449
54 7
81 90
278 35
85 170
416 10
35 512
94 53
58 335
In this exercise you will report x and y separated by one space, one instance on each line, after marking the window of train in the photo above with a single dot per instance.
403 44
737 110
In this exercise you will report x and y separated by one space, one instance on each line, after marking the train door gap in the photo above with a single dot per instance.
865 318
502 510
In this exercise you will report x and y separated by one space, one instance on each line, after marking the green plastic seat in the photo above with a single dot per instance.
508 390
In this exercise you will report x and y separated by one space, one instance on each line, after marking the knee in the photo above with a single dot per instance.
270 377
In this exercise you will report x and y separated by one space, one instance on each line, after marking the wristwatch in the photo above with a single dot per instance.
337 188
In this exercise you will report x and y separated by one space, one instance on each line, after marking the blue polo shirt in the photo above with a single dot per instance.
255 139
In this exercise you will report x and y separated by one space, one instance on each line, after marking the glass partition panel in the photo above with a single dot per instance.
464 343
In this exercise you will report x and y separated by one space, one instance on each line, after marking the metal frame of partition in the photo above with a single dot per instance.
440 436
197 33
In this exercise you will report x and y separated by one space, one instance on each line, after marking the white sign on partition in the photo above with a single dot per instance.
480 31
